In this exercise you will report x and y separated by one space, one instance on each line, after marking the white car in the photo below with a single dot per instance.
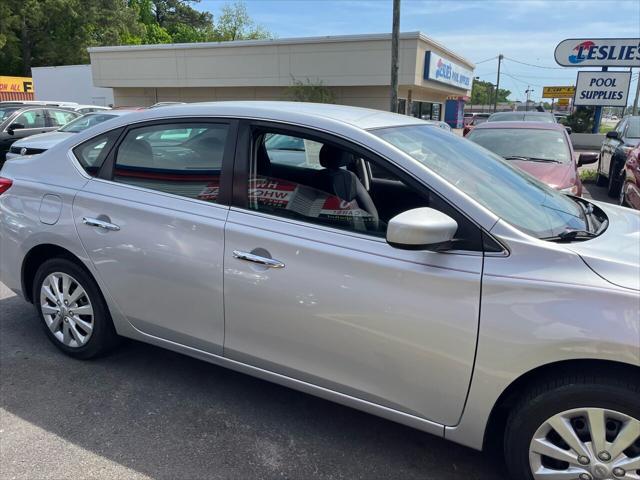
36 144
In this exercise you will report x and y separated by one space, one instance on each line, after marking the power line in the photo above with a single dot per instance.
534 65
487 60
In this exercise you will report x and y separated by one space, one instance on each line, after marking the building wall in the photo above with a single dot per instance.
70 83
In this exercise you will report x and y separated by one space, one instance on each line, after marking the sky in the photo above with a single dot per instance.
522 30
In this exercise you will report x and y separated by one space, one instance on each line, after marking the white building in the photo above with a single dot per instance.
356 68
69 83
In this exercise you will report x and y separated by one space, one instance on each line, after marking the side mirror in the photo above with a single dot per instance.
612 134
421 229
569 130
587 158
14 126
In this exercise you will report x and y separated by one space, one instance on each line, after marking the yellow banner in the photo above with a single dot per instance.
563 102
558 92
16 84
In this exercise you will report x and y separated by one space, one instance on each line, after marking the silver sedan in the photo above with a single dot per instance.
390 266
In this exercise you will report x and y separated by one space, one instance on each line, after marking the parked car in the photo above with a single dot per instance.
545 117
617 145
630 191
406 272
88 108
478 119
50 103
36 144
166 104
468 117
543 150
19 121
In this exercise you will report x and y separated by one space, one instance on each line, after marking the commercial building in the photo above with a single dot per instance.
16 88
355 68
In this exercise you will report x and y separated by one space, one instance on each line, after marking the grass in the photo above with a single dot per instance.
588 176
604 128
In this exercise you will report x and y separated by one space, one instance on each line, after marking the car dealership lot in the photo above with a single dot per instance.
143 412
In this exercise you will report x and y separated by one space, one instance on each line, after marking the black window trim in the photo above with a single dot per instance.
244 154
226 175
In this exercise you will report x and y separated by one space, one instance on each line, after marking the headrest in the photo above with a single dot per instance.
333 158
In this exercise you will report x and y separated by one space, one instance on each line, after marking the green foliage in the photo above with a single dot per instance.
482 93
581 120
588 175
58 32
310 91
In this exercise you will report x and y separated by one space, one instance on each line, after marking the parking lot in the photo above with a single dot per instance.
143 412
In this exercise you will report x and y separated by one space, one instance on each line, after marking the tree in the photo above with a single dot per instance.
235 23
482 93
310 91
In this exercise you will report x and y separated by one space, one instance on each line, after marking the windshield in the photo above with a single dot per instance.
508 192
633 131
86 121
523 142
521 117
6 111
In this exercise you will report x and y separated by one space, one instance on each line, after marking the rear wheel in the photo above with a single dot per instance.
73 312
576 429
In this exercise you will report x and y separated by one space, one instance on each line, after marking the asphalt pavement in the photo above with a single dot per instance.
146 413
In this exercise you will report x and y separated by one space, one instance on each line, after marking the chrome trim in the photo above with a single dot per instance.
94 222
250 257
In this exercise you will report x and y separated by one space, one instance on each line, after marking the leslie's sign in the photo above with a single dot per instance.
599 52
445 71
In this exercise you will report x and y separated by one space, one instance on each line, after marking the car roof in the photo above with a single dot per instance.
521 125
295 112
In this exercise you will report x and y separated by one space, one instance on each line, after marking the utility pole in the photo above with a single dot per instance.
495 103
395 37
528 91
634 110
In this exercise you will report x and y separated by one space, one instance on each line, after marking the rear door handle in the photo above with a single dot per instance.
94 222
250 257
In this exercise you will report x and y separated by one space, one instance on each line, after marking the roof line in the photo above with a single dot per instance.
284 41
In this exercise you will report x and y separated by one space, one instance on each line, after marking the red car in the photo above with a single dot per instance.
475 120
543 150
630 192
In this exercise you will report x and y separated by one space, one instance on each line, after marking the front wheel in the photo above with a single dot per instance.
576 429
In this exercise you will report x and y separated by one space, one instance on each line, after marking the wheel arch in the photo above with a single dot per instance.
36 257
498 416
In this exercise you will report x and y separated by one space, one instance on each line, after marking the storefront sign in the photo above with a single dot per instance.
599 52
16 84
558 92
441 70
563 102
602 89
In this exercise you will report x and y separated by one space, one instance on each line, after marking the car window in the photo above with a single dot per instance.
61 117
31 119
326 184
620 126
92 153
5 112
86 121
633 128
523 142
182 159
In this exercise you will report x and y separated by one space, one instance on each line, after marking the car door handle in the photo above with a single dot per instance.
250 257
94 222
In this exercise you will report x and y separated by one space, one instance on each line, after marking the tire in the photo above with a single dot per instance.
80 335
615 181
601 180
619 396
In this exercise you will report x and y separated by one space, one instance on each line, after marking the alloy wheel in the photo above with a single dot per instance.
66 309
586 444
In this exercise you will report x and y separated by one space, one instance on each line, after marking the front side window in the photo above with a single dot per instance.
524 144
60 117
633 128
181 158
301 178
505 190
31 119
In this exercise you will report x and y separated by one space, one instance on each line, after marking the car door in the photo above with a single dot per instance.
32 121
152 223
609 147
314 292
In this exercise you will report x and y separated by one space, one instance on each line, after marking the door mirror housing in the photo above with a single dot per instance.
612 134
569 130
421 229
587 158
14 126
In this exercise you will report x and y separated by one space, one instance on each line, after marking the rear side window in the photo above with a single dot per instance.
60 117
92 153
181 158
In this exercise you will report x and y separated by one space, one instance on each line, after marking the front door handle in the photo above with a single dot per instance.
94 222
250 257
